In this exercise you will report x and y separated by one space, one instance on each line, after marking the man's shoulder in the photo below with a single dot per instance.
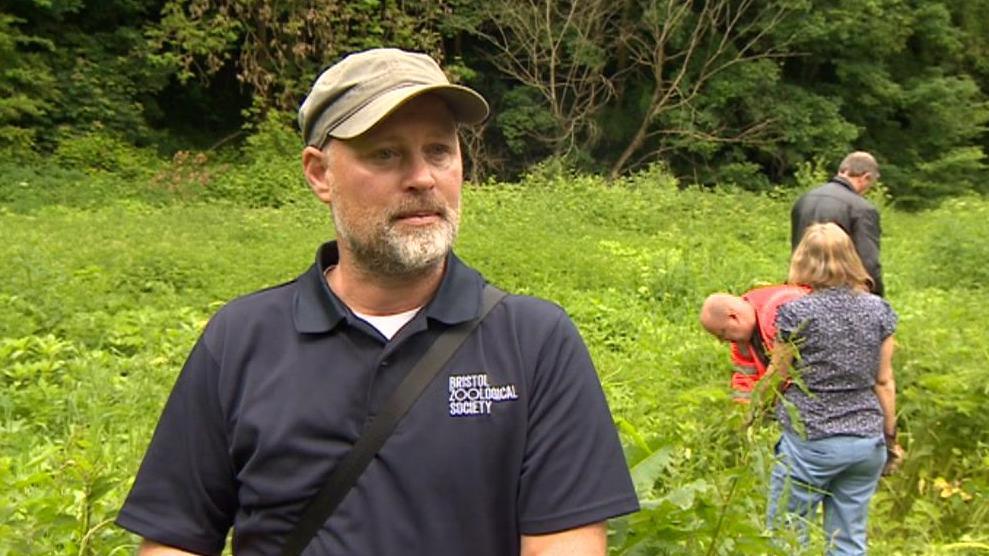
533 321
775 294
831 202
527 308
835 190
264 304
813 198
768 301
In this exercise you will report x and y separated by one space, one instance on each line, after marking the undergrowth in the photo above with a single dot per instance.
105 290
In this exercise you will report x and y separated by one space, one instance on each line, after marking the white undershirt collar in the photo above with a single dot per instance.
388 325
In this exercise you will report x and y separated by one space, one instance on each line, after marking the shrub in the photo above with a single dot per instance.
272 174
955 242
98 152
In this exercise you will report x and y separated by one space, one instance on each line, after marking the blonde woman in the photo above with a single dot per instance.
836 344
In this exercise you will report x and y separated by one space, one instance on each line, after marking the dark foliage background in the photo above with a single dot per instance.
743 92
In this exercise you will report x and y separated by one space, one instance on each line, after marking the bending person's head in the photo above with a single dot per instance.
826 258
728 317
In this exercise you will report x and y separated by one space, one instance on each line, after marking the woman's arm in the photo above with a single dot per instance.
885 388
151 548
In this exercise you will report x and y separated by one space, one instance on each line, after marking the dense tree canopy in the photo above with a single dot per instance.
721 91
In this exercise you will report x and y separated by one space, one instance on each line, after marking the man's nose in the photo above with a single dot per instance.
420 173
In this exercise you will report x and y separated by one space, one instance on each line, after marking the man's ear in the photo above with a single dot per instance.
861 182
317 173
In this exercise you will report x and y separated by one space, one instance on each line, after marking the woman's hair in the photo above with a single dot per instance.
826 258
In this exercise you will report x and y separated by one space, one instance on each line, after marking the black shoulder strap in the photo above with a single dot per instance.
346 473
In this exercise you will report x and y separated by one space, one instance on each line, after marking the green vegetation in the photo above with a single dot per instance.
114 259
148 173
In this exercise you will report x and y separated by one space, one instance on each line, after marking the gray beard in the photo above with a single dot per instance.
397 254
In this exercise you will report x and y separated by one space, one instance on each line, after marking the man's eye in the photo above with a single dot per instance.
440 150
384 154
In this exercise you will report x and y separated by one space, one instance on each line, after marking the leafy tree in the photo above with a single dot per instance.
279 47
720 91
82 64
680 49
25 86
895 69
745 92
557 53
625 83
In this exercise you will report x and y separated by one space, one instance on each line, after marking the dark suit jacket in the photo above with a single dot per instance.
837 202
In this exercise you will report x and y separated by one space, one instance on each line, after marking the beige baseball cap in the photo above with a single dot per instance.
363 88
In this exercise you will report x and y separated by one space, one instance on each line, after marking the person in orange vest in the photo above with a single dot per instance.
749 323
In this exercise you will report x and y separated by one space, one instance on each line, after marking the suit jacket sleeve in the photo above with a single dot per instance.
796 226
865 235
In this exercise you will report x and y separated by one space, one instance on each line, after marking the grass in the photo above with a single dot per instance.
102 301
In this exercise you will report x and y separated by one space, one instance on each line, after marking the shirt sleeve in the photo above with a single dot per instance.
185 493
573 471
888 320
787 323
796 224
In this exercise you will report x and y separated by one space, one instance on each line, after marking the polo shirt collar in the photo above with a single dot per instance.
316 309
458 298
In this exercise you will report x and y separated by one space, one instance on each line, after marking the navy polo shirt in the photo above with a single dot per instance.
512 437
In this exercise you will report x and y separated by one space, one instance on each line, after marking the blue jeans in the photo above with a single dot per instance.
840 472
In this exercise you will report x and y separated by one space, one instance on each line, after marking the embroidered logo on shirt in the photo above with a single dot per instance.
472 395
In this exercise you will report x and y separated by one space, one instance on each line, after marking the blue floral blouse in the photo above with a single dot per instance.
837 333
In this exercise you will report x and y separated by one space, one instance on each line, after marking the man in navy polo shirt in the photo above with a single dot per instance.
510 450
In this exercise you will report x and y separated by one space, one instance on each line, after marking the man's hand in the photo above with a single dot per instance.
894 458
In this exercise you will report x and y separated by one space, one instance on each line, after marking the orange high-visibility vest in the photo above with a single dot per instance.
750 364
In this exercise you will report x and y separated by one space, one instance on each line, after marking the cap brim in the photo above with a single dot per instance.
467 106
